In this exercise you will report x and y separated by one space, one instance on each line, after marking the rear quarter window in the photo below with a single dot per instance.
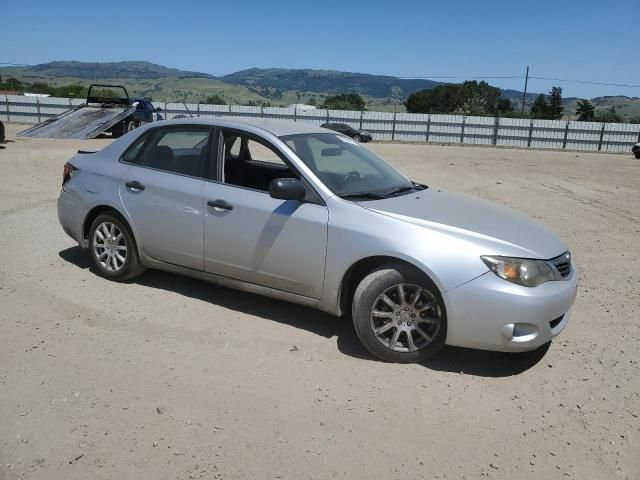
133 153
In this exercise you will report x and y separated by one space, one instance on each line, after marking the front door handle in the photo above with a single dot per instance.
135 185
220 204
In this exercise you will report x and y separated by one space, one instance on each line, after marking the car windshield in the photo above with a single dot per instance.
348 169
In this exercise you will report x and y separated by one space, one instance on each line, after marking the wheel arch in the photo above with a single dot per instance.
93 214
361 268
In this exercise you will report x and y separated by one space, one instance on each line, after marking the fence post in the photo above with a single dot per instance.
428 127
602 137
495 130
166 113
38 109
6 102
638 136
295 114
530 133
362 114
464 121
198 114
393 130
262 111
566 133
327 115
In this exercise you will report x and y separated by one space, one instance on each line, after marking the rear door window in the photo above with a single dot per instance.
182 150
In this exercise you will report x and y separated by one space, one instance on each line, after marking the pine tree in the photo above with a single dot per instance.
554 111
585 111
540 108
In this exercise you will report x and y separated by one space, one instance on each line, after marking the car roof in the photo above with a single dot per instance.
279 128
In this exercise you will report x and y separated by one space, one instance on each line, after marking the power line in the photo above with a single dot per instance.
588 82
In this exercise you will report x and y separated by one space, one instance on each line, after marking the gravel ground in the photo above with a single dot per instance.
171 378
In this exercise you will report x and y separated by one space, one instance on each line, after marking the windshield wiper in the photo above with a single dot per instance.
406 188
367 195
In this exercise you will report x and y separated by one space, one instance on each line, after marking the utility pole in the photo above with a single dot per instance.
524 94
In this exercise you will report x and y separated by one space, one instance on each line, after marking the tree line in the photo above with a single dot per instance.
468 98
343 101
63 91
480 98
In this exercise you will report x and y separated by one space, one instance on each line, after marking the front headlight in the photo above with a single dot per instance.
522 271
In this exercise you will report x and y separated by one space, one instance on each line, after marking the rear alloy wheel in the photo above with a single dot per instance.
132 125
399 315
114 254
109 247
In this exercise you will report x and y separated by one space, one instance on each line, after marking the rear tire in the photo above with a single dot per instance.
113 250
399 314
357 137
637 155
132 125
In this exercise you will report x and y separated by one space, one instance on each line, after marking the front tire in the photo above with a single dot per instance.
399 315
119 130
113 250
357 137
637 155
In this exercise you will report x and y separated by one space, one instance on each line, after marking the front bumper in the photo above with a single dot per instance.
490 313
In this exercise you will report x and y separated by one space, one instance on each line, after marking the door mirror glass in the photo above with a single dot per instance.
287 189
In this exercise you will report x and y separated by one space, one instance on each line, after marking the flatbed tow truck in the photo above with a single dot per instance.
101 113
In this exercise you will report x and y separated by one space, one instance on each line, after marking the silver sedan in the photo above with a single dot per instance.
308 215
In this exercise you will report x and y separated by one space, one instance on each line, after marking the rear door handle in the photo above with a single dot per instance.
220 204
135 185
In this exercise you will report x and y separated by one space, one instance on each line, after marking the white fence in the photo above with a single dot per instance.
593 136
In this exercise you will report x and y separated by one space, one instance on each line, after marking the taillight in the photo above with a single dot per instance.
67 172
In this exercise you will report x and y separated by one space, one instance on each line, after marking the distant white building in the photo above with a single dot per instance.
302 106
26 94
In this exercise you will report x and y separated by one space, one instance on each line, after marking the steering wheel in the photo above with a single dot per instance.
352 176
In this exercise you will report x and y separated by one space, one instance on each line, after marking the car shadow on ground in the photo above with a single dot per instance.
449 359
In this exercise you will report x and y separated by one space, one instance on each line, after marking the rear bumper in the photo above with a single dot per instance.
71 213
491 314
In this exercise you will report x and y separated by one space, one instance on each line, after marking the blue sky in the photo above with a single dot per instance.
584 40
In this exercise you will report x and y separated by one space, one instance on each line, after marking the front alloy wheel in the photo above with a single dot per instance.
405 318
399 315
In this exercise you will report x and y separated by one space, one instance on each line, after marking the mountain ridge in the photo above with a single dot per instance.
261 85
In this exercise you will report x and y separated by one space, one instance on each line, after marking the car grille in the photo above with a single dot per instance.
563 264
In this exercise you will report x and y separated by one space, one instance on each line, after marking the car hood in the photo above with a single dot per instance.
509 232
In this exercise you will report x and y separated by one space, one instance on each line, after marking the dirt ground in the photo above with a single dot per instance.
172 378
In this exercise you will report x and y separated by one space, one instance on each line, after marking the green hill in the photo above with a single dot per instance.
269 86
327 81
134 70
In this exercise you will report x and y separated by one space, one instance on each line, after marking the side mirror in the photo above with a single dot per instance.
287 189
158 109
